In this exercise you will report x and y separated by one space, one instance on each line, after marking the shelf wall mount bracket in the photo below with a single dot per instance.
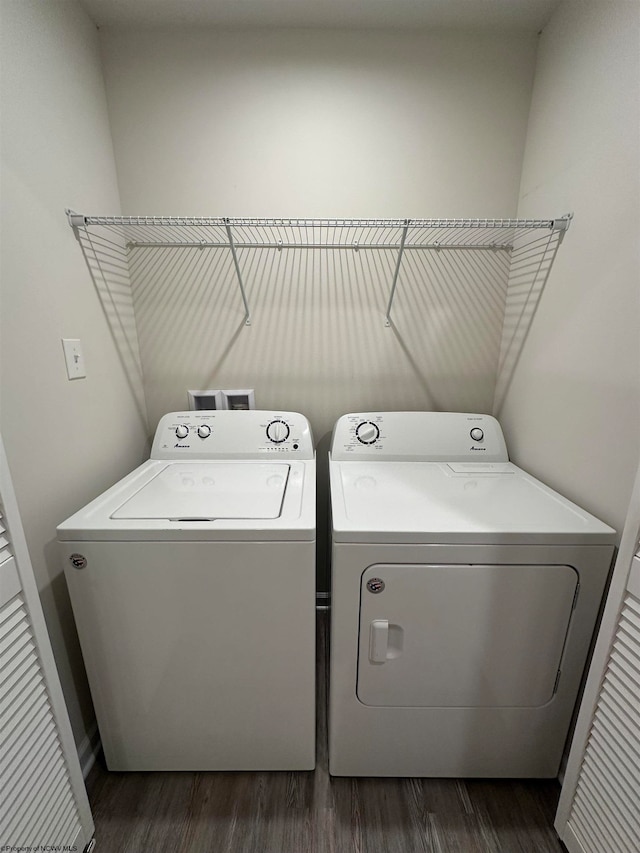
76 220
394 283
562 223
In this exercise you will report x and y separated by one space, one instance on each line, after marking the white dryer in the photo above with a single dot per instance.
192 582
464 597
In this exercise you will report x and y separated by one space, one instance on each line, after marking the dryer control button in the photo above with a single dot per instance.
182 431
477 434
204 431
367 432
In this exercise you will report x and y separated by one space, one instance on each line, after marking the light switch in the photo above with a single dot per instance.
74 358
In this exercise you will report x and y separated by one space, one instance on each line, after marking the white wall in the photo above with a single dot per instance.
572 411
318 123
66 441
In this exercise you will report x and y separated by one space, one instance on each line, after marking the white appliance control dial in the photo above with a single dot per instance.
477 434
182 431
367 432
277 431
204 430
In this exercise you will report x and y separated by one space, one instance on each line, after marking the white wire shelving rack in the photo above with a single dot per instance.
400 236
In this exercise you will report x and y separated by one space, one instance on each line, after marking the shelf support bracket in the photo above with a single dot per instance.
562 223
76 220
405 230
232 246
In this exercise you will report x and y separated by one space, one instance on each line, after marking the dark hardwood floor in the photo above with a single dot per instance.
310 811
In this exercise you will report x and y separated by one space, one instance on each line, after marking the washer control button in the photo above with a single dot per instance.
367 432
204 430
182 431
278 431
477 434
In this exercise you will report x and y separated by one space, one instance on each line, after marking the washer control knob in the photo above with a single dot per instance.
277 432
477 434
367 432
182 431
204 430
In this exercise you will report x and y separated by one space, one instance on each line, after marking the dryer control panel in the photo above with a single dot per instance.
246 434
419 437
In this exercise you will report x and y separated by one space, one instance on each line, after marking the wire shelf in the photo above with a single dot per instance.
387 235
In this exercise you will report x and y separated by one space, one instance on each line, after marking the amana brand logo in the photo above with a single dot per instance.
482 449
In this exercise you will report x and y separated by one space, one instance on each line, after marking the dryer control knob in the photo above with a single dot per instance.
204 431
277 432
477 434
182 431
367 433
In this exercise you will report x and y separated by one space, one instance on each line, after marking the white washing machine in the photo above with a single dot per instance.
192 582
464 597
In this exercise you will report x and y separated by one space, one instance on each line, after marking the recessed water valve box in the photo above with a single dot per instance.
243 398
199 400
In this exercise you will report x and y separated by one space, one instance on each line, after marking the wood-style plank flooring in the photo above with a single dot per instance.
310 812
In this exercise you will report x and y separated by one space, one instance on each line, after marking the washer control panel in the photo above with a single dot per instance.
246 434
419 436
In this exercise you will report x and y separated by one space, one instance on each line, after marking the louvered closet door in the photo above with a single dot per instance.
39 808
605 812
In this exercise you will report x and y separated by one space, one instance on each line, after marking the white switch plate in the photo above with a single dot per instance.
74 358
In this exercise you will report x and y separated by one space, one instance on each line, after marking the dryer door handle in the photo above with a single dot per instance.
378 640
386 641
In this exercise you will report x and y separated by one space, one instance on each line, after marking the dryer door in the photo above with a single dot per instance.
462 635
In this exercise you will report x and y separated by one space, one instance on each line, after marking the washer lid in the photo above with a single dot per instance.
185 491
